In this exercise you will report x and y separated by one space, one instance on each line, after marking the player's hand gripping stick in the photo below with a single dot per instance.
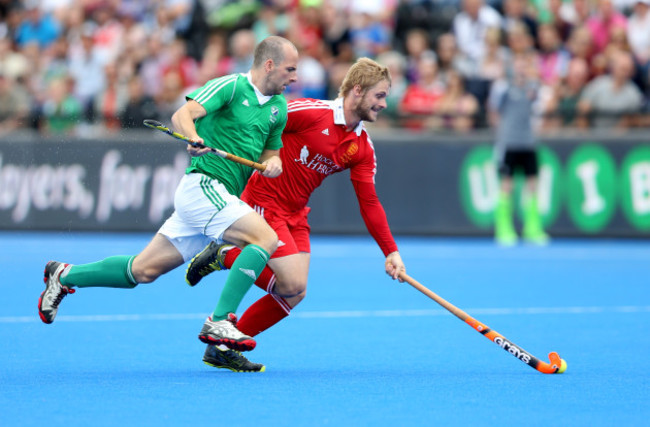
154 124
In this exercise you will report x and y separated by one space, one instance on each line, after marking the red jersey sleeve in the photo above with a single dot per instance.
365 168
374 216
299 116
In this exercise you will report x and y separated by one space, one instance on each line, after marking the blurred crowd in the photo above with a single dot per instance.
93 67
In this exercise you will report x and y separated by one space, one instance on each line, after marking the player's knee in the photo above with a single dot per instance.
301 296
291 288
295 300
144 274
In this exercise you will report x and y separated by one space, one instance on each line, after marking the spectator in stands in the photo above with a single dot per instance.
470 26
312 79
553 58
577 12
491 65
139 106
396 64
109 33
560 108
111 100
612 100
335 29
617 43
305 27
558 20
369 36
420 99
170 98
13 63
417 44
74 23
87 71
179 13
177 60
602 22
580 45
457 109
242 46
515 12
62 112
273 19
215 61
134 33
55 60
638 36
14 105
450 59
152 63
37 27
519 41
57 8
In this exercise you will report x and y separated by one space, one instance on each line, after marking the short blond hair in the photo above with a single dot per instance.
366 73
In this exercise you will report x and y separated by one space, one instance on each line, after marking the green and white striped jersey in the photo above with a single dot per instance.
236 122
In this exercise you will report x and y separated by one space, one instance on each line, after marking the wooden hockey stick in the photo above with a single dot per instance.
556 365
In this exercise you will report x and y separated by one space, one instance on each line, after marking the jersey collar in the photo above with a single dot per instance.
261 98
339 115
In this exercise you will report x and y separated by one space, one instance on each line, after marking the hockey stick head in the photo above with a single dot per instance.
154 124
557 363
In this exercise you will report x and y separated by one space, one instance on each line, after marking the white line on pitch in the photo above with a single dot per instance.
342 314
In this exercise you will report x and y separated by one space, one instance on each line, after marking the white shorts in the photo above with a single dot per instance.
204 209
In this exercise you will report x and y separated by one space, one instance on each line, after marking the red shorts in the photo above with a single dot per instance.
292 230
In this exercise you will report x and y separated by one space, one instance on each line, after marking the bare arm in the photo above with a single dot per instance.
183 121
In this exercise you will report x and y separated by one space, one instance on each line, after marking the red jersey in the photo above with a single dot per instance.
317 144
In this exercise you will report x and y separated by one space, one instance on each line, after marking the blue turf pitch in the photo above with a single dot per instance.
360 350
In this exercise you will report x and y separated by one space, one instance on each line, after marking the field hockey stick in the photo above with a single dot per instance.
154 124
556 366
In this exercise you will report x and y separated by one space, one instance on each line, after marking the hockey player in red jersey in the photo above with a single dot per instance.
320 138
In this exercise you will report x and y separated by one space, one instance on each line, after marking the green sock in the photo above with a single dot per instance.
533 227
504 229
112 272
248 265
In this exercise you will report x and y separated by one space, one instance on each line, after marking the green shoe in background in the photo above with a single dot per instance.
533 229
504 230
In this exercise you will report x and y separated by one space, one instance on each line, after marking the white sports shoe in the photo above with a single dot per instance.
225 332
51 297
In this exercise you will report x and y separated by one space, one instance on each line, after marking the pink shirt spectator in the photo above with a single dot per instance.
601 23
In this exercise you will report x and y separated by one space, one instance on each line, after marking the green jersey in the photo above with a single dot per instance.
237 123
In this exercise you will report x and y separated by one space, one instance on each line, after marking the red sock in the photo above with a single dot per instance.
265 280
264 313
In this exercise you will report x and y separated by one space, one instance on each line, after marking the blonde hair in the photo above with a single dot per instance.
366 73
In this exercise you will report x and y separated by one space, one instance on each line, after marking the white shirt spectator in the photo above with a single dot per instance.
638 31
470 32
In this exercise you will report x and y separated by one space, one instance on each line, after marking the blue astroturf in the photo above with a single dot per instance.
360 350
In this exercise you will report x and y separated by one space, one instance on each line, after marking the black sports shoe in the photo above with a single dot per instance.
208 260
230 359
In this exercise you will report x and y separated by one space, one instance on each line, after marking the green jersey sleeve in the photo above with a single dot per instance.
216 93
